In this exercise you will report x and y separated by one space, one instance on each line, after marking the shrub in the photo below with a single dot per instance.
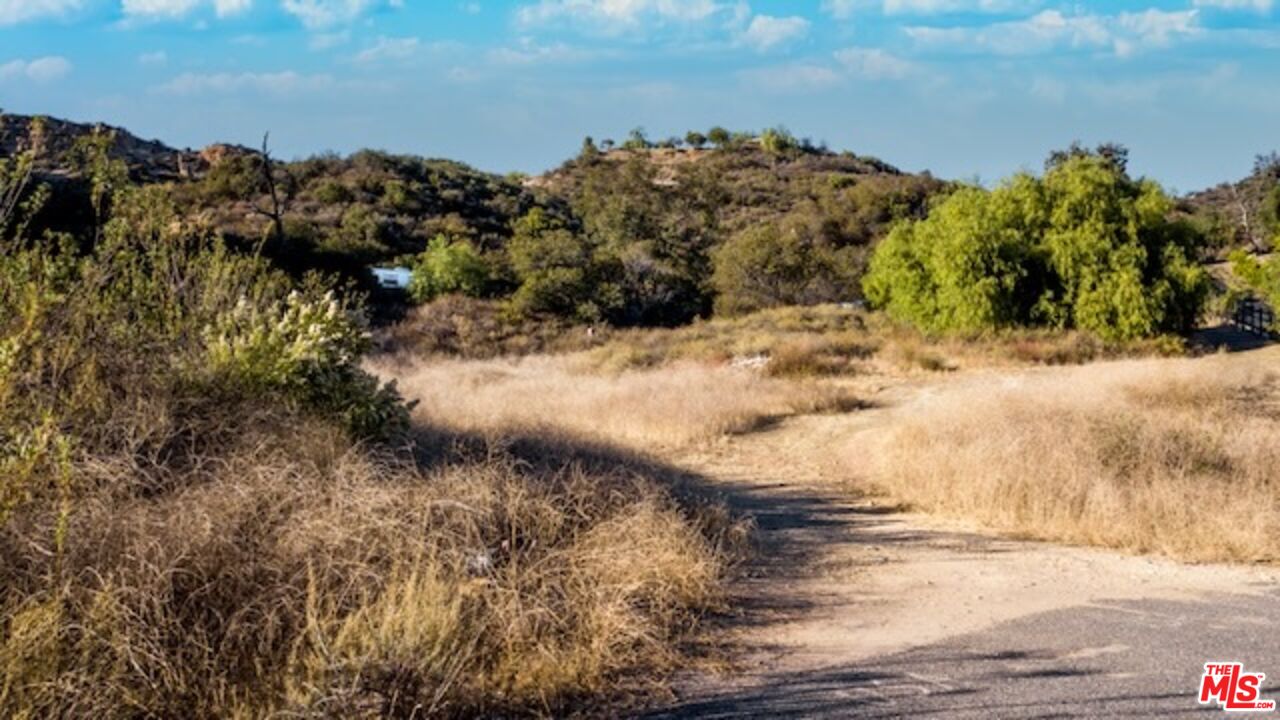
1083 247
781 264
332 192
556 269
651 245
160 315
448 266
778 141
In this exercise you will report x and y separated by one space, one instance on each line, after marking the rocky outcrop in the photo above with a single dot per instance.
148 160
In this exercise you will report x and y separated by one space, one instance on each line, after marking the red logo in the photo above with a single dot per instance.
1227 684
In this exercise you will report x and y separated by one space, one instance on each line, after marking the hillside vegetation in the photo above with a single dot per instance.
646 234
1241 215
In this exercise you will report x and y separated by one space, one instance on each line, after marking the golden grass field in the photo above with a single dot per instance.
1176 457
654 409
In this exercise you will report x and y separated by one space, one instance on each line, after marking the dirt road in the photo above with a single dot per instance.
854 611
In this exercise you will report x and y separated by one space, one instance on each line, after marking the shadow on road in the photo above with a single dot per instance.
1230 338
1115 659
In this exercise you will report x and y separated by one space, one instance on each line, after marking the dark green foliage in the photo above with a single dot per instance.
1241 215
636 140
657 240
557 270
347 213
650 227
718 136
1083 247
786 263
1113 155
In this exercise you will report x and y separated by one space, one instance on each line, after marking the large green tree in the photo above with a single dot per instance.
1084 246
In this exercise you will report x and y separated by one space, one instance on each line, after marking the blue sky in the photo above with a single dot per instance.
971 89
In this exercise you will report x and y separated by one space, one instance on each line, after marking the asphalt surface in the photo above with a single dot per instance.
1111 660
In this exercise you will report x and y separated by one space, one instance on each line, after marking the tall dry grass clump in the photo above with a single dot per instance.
299 574
208 509
671 407
1176 457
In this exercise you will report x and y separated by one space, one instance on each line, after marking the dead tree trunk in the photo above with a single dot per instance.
274 213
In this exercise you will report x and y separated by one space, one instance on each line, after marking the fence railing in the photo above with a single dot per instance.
1255 316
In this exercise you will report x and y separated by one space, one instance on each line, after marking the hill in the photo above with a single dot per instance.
1242 214
650 215
147 160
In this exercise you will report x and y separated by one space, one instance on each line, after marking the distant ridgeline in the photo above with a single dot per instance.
636 232
148 160
619 233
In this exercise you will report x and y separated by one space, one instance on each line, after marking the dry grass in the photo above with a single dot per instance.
1168 456
644 409
831 340
301 575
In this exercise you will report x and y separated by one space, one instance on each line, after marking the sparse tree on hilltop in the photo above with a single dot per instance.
637 140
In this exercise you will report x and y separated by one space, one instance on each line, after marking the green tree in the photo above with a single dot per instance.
654 239
780 264
1085 246
448 267
637 140
719 136
554 267
778 141
695 139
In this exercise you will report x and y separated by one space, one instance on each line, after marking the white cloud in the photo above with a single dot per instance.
387 48
617 16
41 70
181 8
159 57
281 83
1261 6
936 7
1155 28
767 32
874 64
1048 30
846 9
320 14
13 12
840 9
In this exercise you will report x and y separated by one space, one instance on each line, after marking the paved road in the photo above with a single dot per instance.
1124 659
854 611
